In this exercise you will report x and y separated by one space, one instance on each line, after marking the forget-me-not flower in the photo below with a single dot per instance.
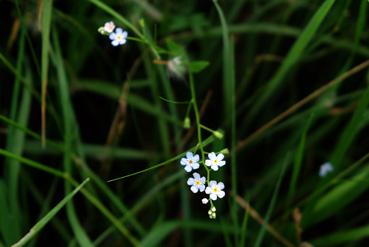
119 37
215 161
215 190
107 28
325 169
190 162
197 183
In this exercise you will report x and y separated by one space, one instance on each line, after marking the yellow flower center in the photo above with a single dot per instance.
215 189
215 161
119 37
190 161
197 182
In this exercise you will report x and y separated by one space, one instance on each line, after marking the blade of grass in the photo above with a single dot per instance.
100 206
15 141
163 129
67 114
81 163
229 97
46 18
348 236
272 202
333 201
351 130
94 151
301 103
257 217
158 233
51 214
71 132
293 56
299 153
144 200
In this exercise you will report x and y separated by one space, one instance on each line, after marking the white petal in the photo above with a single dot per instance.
202 188
221 194
188 168
118 30
196 175
220 185
190 181
214 167
112 36
213 197
195 166
208 190
194 189
212 156
125 34
213 183
189 155
115 42
208 162
221 163
202 180
183 161
196 158
204 200
220 156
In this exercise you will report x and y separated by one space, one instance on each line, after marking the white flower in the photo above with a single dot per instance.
109 27
197 183
176 67
215 161
215 190
190 162
325 169
204 201
119 37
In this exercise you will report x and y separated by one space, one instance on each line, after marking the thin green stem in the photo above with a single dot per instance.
198 124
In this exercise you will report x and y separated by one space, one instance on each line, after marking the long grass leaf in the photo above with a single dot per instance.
49 216
293 55
46 19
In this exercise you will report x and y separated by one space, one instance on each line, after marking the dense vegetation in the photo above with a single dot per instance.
278 86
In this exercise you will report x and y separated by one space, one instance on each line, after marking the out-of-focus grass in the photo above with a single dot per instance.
286 81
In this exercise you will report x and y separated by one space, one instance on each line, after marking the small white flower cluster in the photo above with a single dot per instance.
119 37
197 183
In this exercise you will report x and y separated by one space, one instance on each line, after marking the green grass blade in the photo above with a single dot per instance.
158 233
47 6
49 216
229 97
32 163
293 56
273 201
68 125
347 236
15 141
351 131
87 194
298 158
